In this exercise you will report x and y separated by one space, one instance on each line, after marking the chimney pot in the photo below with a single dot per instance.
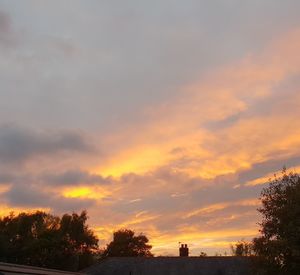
184 250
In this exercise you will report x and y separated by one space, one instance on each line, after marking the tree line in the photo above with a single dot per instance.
67 242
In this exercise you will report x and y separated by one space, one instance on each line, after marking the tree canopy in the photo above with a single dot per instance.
126 244
42 239
278 247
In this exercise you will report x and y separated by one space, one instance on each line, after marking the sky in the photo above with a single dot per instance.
164 117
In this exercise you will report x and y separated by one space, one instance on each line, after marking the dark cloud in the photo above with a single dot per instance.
26 195
30 196
19 144
74 177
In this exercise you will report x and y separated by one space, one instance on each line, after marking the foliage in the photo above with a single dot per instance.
242 248
278 247
126 244
42 239
202 254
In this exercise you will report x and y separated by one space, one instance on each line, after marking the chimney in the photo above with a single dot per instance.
184 250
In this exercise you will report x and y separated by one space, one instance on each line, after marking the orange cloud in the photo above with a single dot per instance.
85 192
5 210
176 133
235 117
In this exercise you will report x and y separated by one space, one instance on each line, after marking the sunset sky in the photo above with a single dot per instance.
166 117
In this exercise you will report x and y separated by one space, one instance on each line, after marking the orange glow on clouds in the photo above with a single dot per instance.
79 192
86 192
4 188
180 124
211 128
221 206
6 210
139 160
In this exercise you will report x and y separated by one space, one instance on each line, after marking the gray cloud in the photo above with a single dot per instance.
73 177
7 36
155 190
26 195
263 168
152 47
6 177
19 144
5 24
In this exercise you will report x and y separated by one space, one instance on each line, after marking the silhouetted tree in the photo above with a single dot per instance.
242 248
278 247
126 244
42 239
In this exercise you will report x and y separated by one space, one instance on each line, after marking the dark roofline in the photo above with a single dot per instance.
26 269
161 258
178 257
165 261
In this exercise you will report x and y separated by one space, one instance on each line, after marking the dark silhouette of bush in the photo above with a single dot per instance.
242 248
278 247
126 244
